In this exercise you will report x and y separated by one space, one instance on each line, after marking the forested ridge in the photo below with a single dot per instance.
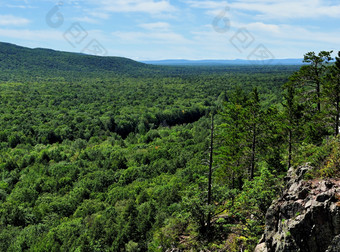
107 154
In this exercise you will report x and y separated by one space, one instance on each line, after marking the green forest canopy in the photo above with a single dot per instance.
107 154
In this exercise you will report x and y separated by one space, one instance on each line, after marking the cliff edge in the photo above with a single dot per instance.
305 218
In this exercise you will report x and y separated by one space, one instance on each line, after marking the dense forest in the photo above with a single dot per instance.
108 154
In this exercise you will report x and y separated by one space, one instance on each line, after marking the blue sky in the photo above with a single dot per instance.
174 29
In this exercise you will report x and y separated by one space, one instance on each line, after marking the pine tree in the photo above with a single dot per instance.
332 92
292 113
210 171
314 71
231 153
254 126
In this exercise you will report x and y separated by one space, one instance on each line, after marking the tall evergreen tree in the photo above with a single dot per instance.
232 141
309 80
232 144
254 121
332 93
210 171
292 113
314 71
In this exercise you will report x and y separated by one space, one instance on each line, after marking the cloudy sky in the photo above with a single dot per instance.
174 29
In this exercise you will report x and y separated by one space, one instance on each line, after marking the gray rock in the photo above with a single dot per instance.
309 204
303 193
335 245
323 197
261 248
294 188
306 218
326 185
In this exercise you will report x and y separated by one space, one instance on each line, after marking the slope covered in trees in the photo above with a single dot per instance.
40 61
118 160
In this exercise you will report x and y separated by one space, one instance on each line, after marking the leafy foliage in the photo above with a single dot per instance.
107 154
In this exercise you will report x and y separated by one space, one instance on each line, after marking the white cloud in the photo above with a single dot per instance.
87 20
33 35
143 6
99 14
285 32
151 38
9 20
20 6
156 26
282 40
289 9
300 34
276 9
271 29
207 4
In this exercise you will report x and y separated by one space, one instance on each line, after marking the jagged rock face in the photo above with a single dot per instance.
305 218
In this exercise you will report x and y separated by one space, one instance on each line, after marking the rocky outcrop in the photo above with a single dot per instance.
305 218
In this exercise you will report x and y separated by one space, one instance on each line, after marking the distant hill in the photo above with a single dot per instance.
18 63
183 62
17 58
